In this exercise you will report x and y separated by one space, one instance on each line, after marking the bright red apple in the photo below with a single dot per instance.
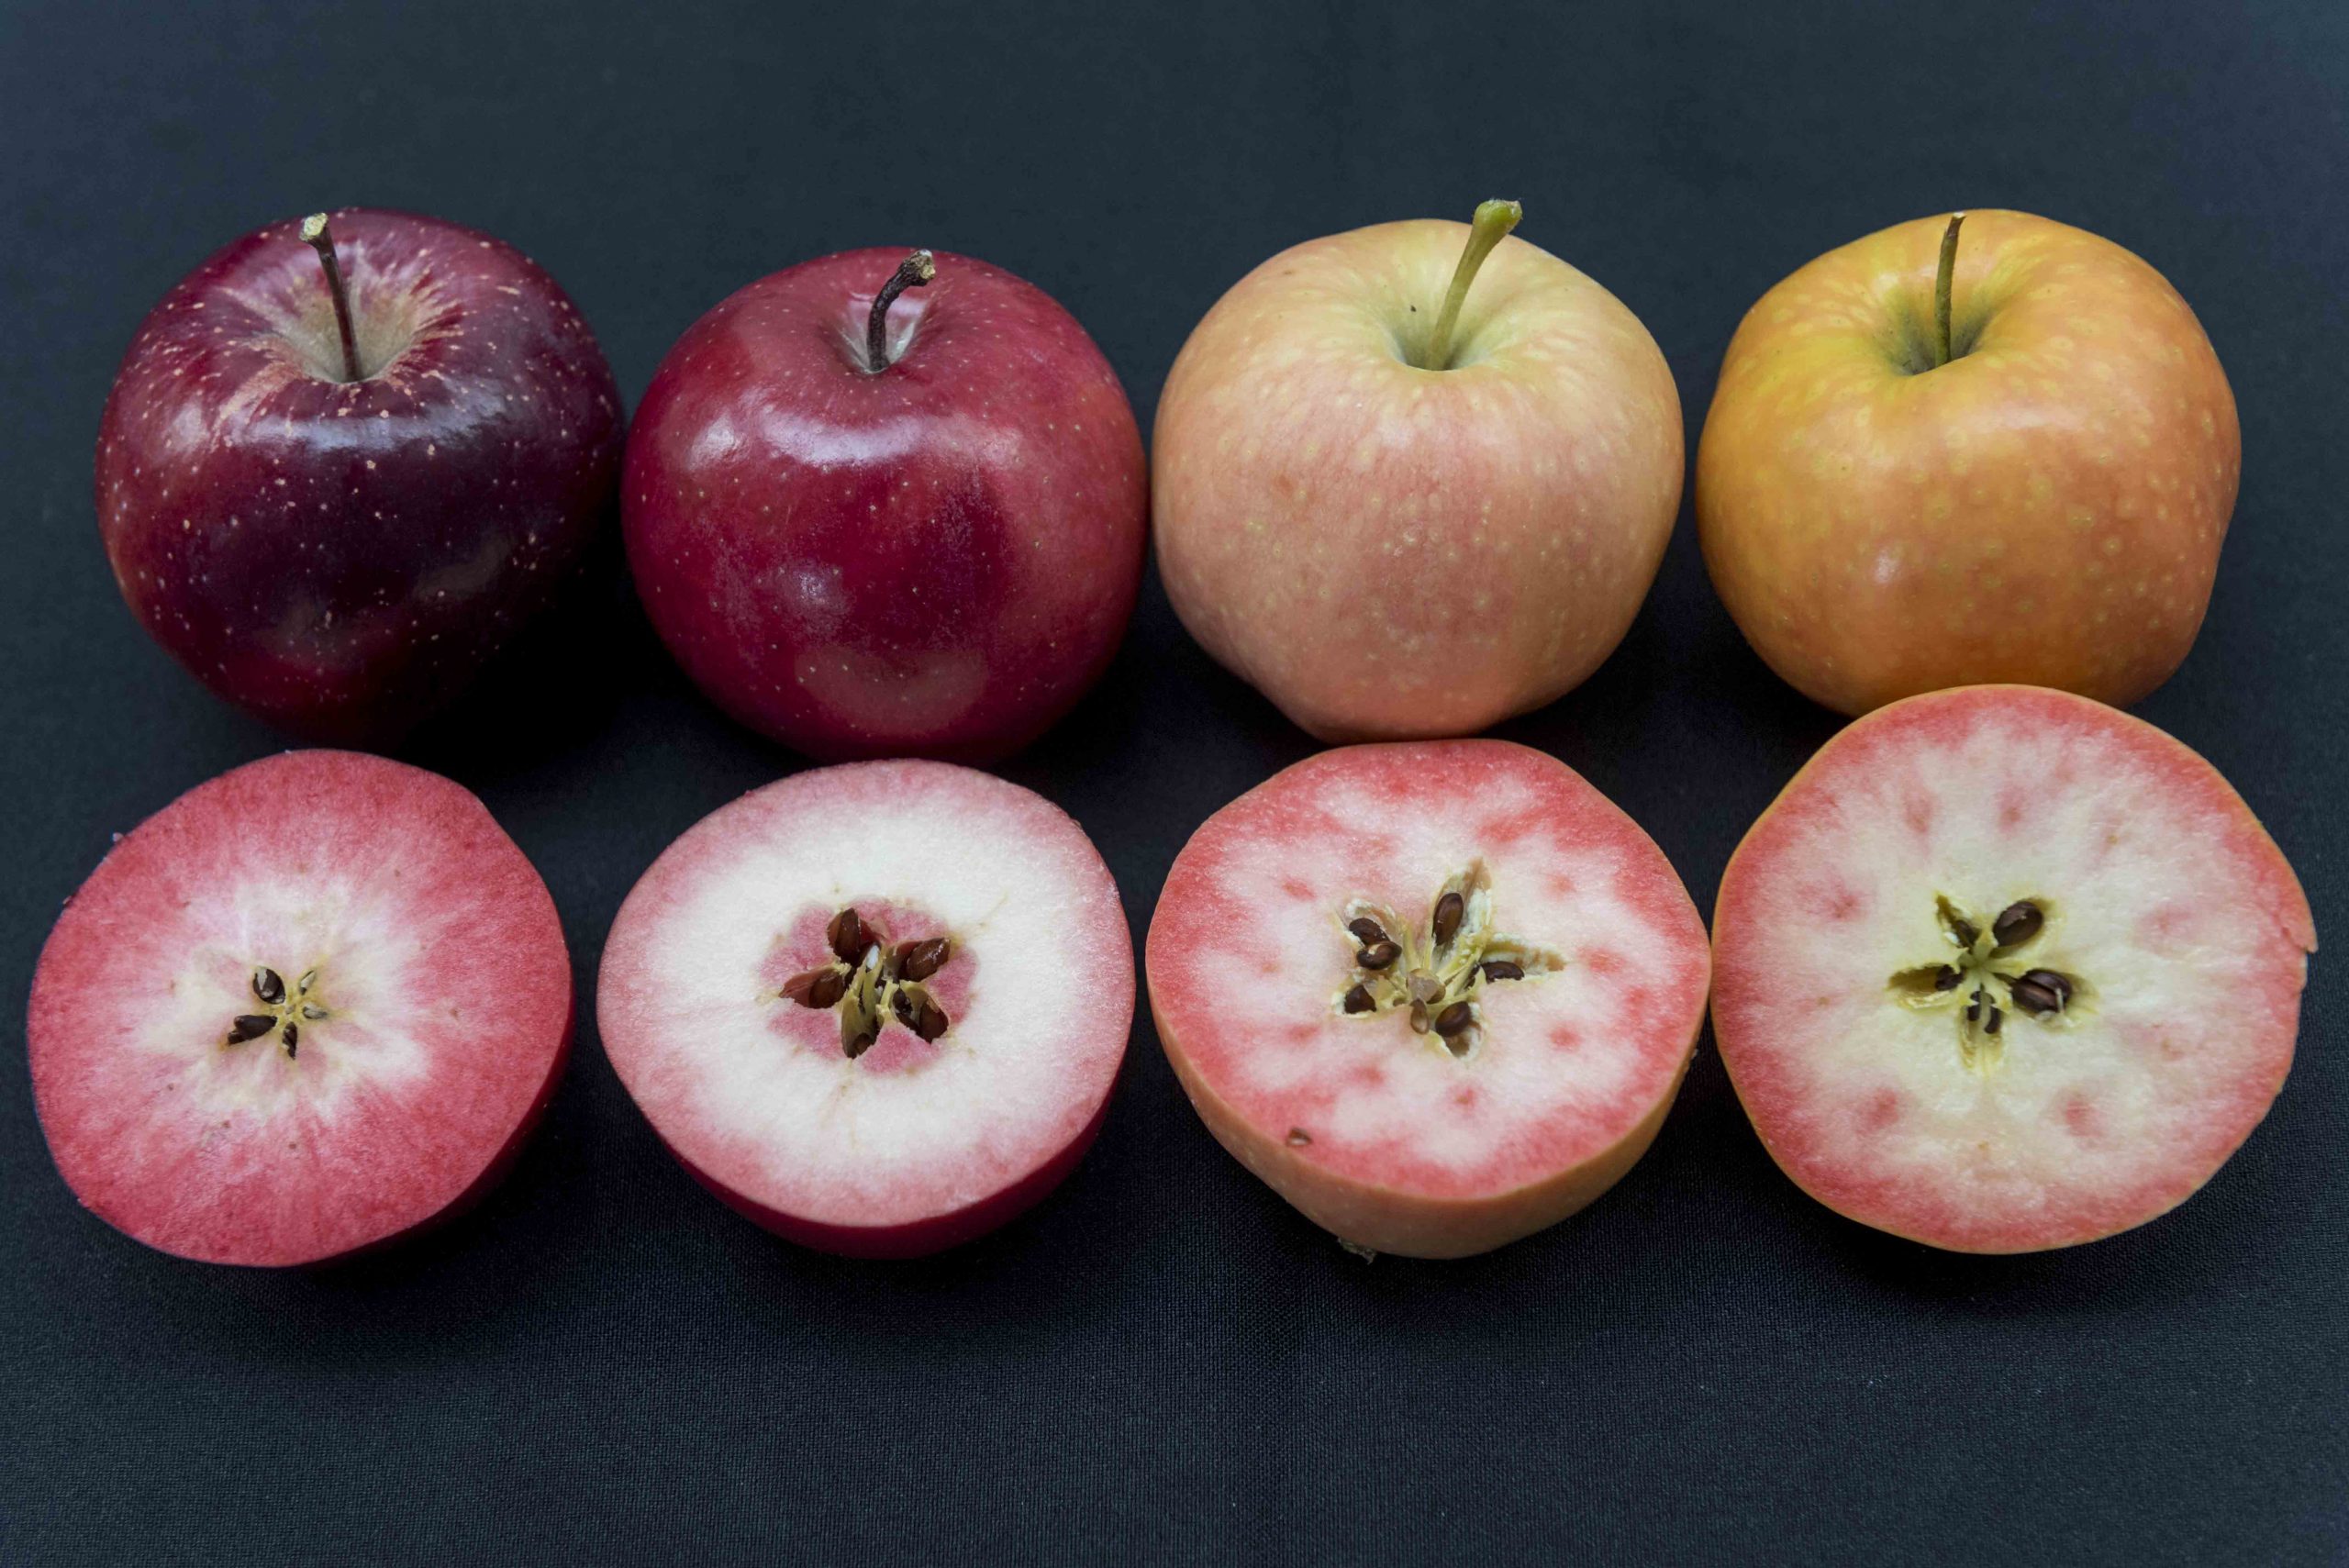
869 525
1401 509
344 460
1940 457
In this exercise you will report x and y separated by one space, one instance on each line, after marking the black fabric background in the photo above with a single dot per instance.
1163 1363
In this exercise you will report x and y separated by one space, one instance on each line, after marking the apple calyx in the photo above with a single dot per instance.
1437 982
912 272
319 237
1488 229
1989 967
287 1010
871 981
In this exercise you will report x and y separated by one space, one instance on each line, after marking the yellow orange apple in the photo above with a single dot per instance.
1942 456
1405 506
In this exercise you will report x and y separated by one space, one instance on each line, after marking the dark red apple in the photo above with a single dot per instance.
343 462
870 524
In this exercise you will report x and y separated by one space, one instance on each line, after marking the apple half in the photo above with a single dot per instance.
2004 969
309 1006
1438 994
877 1008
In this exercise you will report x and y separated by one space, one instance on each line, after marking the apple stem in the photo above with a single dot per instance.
1941 281
315 235
1488 229
912 273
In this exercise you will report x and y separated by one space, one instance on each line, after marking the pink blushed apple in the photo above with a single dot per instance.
1401 509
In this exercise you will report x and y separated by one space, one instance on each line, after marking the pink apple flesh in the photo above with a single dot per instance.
409 969
845 1090
2004 969
1557 963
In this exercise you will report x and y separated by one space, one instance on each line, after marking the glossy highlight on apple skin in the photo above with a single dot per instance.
339 557
937 559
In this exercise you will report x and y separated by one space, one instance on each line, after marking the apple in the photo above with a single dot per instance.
1932 463
312 1006
2004 969
346 458
1401 510
1438 994
869 521
877 1008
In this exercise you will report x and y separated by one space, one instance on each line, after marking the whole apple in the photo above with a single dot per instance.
1400 510
1943 456
346 458
874 513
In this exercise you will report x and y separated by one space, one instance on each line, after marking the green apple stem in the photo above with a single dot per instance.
315 235
912 272
1488 229
1942 276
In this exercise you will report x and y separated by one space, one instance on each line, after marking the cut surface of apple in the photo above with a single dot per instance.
1437 995
2004 969
309 1006
877 1007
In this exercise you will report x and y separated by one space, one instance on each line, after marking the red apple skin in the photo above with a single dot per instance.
937 560
915 1239
2045 509
337 557
1390 552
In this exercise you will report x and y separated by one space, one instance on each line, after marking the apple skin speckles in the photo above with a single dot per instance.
341 557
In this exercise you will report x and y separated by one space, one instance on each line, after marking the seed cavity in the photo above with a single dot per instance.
1989 976
1298 1138
269 988
1434 969
871 983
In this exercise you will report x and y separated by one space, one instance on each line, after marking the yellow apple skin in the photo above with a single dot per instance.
2044 510
1392 552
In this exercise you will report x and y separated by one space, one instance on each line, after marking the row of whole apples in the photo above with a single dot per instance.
2002 968
1408 480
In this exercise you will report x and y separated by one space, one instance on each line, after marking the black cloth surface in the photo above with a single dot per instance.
1163 1362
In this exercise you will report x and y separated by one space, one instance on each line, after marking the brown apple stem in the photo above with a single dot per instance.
315 235
1942 277
912 272
1488 229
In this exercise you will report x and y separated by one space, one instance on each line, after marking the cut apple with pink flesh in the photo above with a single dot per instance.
2004 969
307 1007
879 1007
1437 995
